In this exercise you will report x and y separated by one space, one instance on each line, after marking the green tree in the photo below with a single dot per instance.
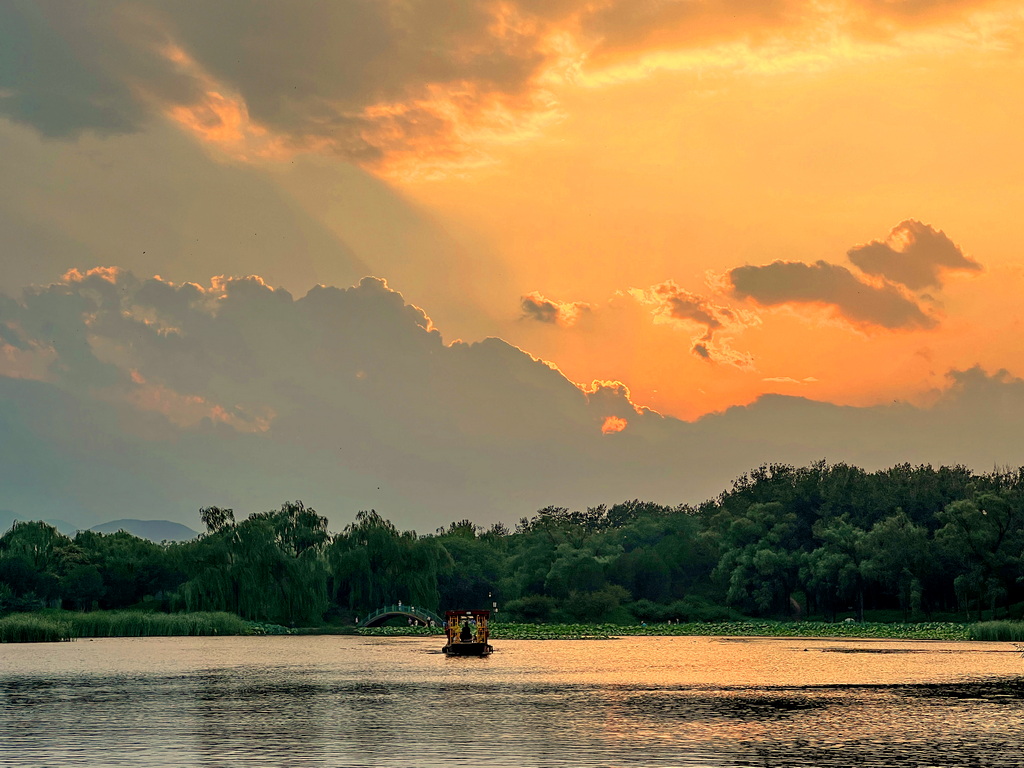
217 519
131 568
83 586
985 536
269 567
38 542
833 572
373 564
33 552
900 557
477 560
759 563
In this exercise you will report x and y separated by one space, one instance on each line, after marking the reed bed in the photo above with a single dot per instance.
30 628
1005 631
52 626
138 624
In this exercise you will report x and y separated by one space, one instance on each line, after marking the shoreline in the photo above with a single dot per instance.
55 626
947 631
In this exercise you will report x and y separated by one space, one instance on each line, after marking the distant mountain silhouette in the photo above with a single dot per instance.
154 530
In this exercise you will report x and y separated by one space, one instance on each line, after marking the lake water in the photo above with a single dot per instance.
352 701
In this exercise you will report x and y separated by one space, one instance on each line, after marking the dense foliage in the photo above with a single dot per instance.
823 541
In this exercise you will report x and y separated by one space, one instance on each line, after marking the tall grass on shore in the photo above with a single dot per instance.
52 626
32 628
1006 631
138 624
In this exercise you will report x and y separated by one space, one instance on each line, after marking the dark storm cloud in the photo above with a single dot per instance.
308 74
66 68
50 79
787 282
364 79
914 255
293 66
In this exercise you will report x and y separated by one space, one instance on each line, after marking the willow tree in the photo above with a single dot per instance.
985 536
209 563
38 542
34 556
372 564
269 567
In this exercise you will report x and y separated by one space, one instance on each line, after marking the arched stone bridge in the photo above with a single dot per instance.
422 615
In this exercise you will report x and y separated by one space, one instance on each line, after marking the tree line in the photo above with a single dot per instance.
825 540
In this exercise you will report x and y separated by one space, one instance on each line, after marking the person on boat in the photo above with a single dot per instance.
467 634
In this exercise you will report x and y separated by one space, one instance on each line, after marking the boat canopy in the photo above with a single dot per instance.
467 633
468 614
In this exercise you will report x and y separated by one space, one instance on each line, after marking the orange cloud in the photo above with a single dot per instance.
216 119
613 424
108 274
219 117
671 304
789 380
450 128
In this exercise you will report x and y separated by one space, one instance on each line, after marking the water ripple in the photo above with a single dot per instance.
347 702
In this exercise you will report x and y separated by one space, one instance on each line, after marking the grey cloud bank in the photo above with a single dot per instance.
129 397
784 282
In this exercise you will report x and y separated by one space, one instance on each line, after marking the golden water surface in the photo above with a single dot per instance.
353 701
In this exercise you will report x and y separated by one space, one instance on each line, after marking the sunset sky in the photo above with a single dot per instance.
571 252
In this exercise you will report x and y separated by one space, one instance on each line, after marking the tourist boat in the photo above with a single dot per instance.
467 633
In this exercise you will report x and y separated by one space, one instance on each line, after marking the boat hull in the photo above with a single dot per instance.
467 649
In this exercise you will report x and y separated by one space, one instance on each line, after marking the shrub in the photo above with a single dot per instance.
530 608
